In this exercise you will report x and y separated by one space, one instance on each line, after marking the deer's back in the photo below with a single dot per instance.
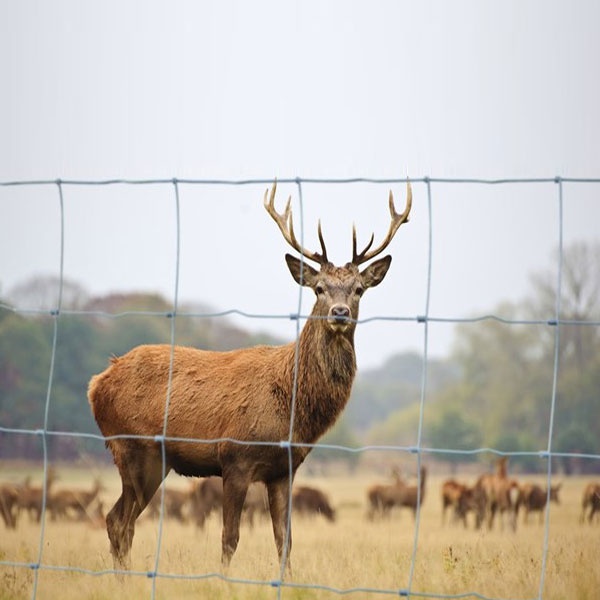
212 394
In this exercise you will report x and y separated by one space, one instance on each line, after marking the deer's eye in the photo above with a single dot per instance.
359 291
319 289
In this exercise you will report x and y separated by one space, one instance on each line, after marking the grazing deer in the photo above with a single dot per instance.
591 500
310 501
236 398
533 498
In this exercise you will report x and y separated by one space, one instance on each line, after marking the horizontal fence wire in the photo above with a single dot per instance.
419 450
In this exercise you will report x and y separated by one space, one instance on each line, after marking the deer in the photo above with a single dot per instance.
9 495
256 411
31 498
458 496
382 498
532 498
311 501
73 501
496 492
590 502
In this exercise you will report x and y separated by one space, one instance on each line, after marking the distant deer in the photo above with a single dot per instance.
244 395
495 493
9 495
31 498
175 502
460 498
382 498
533 498
311 501
73 502
590 501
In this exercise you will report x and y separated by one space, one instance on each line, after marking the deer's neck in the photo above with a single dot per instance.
326 368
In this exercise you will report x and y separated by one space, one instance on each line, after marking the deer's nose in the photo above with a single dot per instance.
340 313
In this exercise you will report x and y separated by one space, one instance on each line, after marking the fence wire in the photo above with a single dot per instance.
419 450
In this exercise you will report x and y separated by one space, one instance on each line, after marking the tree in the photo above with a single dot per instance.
580 301
452 429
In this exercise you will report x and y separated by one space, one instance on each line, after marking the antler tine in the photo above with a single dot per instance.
396 221
285 223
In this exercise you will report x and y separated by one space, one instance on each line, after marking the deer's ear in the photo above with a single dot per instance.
303 273
373 275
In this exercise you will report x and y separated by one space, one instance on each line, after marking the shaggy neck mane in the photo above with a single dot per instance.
326 369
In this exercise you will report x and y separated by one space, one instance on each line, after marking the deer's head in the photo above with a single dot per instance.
338 289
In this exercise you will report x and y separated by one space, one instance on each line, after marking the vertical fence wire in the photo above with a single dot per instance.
44 432
555 368
162 438
424 319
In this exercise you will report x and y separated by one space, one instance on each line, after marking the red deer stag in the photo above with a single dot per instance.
244 395
591 501
533 498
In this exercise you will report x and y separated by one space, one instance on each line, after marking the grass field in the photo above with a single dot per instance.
336 557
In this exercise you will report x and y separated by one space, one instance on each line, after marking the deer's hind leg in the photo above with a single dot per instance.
141 473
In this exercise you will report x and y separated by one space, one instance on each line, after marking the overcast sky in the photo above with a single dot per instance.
338 89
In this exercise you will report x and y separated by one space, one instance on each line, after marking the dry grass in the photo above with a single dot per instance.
351 553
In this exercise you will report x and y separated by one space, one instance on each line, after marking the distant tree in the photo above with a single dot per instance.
575 439
340 435
452 429
42 292
580 300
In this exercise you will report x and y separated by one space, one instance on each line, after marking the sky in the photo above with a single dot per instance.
312 90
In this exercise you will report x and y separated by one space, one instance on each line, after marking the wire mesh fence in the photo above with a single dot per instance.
434 211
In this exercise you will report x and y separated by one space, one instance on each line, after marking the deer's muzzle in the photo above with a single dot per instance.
339 317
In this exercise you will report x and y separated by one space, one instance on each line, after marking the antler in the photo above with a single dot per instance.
286 226
397 220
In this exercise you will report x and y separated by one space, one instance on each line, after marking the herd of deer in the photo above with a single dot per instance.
196 503
491 494
497 493
60 504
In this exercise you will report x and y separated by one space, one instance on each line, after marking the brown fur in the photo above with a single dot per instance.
382 498
175 502
494 494
460 498
8 500
533 498
207 497
73 503
31 498
591 501
311 501
244 395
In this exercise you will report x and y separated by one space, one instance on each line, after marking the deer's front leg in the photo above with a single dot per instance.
279 500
